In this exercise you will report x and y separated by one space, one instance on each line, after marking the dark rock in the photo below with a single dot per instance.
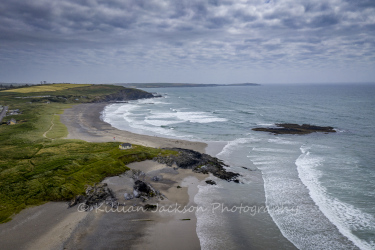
157 178
136 193
144 189
125 94
290 128
136 174
143 198
150 207
94 196
200 163
128 196
211 182
77 200
141 186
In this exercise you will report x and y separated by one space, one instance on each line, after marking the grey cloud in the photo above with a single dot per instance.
271 47
166 32
200 10
294 23
362 3
316 7
244 17
218 22
324 20
220 2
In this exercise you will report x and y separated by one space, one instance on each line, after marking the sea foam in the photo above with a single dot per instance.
344 216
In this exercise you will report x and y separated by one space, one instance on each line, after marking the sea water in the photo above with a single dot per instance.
319 188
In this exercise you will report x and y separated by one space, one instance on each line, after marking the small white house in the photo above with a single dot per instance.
12 121
125 146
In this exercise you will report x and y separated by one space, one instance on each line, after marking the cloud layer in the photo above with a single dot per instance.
119 40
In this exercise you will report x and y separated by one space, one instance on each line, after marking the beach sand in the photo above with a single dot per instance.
54 226
84 123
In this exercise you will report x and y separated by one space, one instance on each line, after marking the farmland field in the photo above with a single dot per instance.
46 88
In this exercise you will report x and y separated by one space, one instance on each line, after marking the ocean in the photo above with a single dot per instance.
319 189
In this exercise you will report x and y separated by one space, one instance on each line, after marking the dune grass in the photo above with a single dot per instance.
37 165
57 129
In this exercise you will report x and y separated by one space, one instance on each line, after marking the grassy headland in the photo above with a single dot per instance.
37 165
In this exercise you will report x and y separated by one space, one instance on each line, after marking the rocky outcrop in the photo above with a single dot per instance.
150 207
211 182
144 191
94 196
141 189
101 193
200 163
290 128
126 94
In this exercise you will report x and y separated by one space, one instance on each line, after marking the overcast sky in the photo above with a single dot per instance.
212 41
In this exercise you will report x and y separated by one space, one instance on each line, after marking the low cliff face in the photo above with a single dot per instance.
125 94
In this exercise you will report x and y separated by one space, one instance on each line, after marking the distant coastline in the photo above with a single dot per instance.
179 85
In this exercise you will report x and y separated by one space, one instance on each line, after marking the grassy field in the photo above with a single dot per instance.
47 88
58 93
37 165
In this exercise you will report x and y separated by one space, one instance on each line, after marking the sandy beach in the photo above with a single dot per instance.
84 123
54 226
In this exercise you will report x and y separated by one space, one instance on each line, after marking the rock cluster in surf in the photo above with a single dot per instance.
290 128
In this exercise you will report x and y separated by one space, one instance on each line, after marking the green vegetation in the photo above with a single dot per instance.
60 93
57 129
47 88
37 165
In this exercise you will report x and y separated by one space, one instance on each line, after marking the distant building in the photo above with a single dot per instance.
14 112
125 146
11 121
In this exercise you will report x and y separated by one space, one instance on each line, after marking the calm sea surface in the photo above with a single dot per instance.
319 188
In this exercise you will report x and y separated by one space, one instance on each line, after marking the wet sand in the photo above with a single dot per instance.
42 227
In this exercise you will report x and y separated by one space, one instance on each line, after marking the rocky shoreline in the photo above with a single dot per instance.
144 191
199 163
126 94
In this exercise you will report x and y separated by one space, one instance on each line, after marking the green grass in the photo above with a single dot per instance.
57 129
58 93
35 169
46 88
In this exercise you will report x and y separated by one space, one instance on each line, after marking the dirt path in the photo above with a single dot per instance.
52 124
